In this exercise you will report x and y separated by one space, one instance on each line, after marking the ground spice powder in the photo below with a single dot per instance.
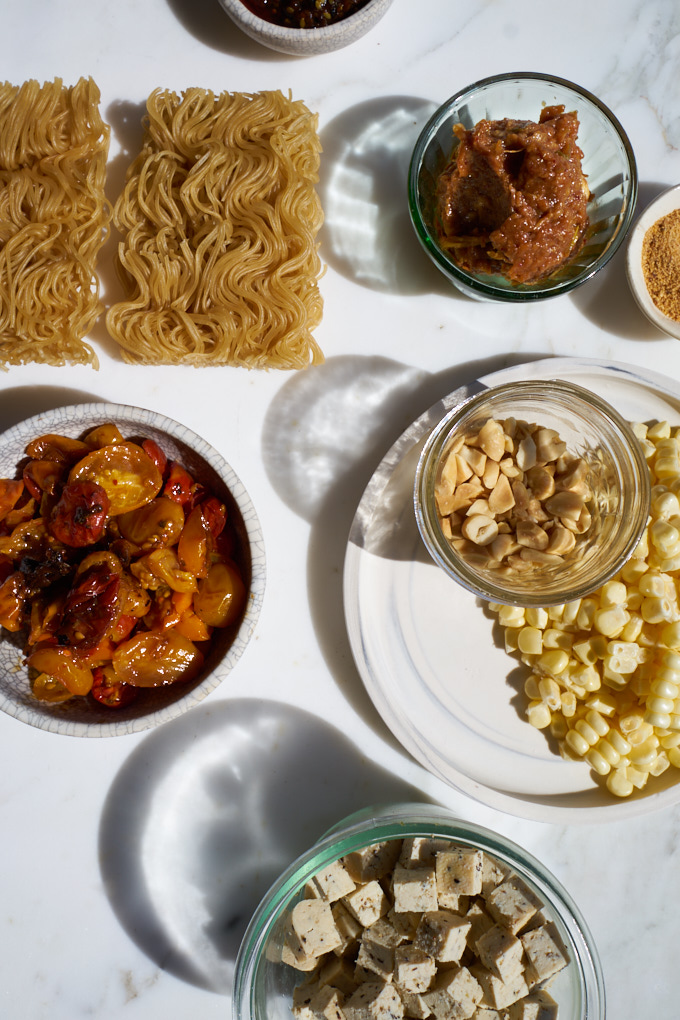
661 264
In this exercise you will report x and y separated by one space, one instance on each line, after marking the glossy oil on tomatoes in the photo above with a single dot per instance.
117 564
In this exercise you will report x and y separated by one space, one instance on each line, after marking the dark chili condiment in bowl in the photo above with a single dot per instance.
304 13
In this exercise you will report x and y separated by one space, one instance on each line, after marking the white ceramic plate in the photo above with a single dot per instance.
432 657
666 202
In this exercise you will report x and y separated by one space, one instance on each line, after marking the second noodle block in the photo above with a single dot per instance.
219 217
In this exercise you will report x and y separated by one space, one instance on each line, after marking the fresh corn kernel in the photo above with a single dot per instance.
531 688
586 731
536 617
658 704
633 570
553 638
568 704
660 764
577 743
659 430
554 661
571 611
613 593
603 703
671 740
598 762
608 752
530 641
652 585
644 753
674 756
665 689
558 726
538 714
586 614
656 609
511 616
549 691
611 622
659 720
637 777
618 742
597 722
619 784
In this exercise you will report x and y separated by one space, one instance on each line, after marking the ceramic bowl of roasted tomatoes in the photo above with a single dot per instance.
132 569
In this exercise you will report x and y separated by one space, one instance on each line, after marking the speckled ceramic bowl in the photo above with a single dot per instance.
306 42
83 716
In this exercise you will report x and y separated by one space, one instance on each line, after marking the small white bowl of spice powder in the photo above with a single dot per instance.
654 262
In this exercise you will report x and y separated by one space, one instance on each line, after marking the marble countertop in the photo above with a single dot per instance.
130 865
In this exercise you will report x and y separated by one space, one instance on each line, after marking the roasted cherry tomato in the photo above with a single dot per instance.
179 485
161 567
43 476
109 691
158 523
13 597
153 450
127 474
103 435
196 543
10 491
79 518
62 449
215 513
221 595
156 658
90 607
60 664
46 688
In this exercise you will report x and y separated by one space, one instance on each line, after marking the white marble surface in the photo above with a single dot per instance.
129 865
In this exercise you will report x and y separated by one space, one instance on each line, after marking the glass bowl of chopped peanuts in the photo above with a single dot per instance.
532 493
406 911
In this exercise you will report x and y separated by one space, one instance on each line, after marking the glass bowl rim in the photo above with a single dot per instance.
454 566
473 284
395 821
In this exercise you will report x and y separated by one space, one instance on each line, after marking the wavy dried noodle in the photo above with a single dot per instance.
220 218
53 220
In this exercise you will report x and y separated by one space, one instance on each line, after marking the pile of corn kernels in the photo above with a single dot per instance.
605 670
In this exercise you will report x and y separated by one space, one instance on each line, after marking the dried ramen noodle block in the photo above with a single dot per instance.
53 220
219 217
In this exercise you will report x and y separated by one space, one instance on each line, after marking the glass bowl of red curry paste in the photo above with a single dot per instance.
521 187
305 27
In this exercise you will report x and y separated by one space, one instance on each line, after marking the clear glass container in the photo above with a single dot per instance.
608 164
617 474
263 986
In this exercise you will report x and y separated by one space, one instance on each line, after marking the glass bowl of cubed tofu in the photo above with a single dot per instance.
532 493
405 911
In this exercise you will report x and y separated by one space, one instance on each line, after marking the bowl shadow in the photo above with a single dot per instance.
21 402
209 810
367 234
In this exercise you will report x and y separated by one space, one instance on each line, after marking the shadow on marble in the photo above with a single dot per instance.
207 22
367 234
607 301
23 402
208 811
324 435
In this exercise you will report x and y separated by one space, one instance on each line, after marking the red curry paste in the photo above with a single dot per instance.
513 199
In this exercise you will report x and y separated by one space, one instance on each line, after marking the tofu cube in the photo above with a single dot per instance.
332 883
385 932
347 926
303 996
405 924
338 972
421 851
375 957
413 969
367 903
459 872
501 952
373 862
327 1004
497 993
414 889
535 1006
487 1013
294 956
512 904
442 934
414 1005
313 930
374 1000
455 995
544 953
480 922
493 873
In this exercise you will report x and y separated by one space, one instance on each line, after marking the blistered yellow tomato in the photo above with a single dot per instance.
125 472
221 595
156 658
59 664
